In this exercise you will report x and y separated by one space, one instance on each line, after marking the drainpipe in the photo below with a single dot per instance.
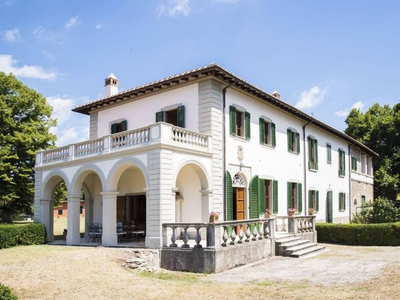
305 166
224 147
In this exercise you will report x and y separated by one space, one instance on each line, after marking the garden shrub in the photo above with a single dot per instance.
385 234
29 234
380 210
6 293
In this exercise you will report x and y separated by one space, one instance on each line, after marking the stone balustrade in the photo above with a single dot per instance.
158 133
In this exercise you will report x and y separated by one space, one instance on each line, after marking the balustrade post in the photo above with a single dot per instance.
292 225
107 144
214 235
71 152
271 228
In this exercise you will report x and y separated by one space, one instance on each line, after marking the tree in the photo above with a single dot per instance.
379 129
381 210
25 120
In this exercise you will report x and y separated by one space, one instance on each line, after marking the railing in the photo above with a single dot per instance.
221 234
295 224
155 133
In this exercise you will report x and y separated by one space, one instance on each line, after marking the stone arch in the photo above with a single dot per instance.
120 167
81 174
198 168
51 181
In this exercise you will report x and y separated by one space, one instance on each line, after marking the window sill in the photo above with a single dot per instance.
313 170
269 146
290 151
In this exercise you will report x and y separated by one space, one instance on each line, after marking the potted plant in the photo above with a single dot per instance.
291 212
311 211
268 213
213 217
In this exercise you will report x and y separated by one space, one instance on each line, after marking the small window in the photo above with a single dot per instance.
342 163
172 116
313 199
267 132
328 153
239 122
293 138
342 201
81 209
60 211
354 164
119 127
362 199
312 153
294 194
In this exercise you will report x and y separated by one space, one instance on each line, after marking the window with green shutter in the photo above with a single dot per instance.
312 153
119 126
342 201
354 163
293 139
267 132
239 122
294 196
342 163
253 192
328 153
313 199
173 116
263 194
229 197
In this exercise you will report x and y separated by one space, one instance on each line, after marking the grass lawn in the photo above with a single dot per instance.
61 223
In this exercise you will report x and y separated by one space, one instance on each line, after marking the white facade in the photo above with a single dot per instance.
134 169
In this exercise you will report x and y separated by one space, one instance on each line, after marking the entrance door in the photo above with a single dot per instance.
238 207
329 207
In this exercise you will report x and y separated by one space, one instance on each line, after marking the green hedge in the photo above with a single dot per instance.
6 293
14 235
386 234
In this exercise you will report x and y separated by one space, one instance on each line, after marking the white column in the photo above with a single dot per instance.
45 218
73 233
88 216
109 219
206 204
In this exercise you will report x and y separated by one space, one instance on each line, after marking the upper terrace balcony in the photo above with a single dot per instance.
150 137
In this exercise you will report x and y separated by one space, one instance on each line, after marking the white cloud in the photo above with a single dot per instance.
98 26
174 7
61 108
7 65
345 112
48 55
66 136
12 35
310 98
72 22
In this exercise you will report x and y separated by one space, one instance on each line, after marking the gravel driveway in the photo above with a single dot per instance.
337 265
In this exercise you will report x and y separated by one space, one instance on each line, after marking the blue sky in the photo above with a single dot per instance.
324 57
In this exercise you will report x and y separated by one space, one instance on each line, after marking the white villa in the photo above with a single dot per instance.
204 140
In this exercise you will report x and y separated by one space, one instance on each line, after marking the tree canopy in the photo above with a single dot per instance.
25 120
379 129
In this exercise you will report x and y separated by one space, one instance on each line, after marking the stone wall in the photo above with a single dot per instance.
359 189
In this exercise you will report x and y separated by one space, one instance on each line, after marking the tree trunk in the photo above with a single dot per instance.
6 216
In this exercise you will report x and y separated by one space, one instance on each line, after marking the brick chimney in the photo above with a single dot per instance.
276 94
110 85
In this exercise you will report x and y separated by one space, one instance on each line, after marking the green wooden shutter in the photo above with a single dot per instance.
275 196
300 198
316 154
316 201
310 199
124 125
273 134
262 131
344 163
298 142
114 128
229 197
309 141
159 116
261 196
330 207
340 202
289 195
344 201
232 119
254 197
180 116
247 125
289 139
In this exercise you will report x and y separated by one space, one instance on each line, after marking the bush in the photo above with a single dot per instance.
380 210
14 235
387 234
6 293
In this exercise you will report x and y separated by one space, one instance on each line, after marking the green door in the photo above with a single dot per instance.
329 207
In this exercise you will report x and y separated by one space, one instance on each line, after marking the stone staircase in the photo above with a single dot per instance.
297 247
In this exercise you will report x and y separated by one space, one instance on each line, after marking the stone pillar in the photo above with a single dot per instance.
73 228
292 225
109 219
45 218
214 233
88 216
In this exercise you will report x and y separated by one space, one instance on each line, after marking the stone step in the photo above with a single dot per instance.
299 247
308 252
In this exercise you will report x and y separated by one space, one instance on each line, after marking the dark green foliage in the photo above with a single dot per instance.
379 129
379 211
14 235
6 293
387 234
25 120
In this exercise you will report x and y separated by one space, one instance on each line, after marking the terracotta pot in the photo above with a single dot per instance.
213 219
